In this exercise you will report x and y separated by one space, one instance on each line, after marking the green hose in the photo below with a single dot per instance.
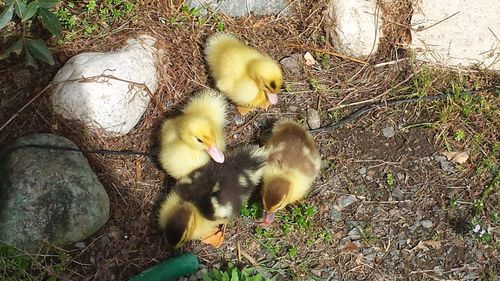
173 268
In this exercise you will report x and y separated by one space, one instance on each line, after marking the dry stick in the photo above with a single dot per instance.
367 108
81 80
328 52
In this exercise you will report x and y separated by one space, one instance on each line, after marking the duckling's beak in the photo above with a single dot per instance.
273 98
216 154
267 219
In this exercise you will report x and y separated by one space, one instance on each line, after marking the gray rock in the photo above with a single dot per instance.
345 201
48 195
240 8
335 214
292 108
445 165
291 64
80 245
362 171
471 276
388 132
426 223
397 193
400 176
313 118
193 278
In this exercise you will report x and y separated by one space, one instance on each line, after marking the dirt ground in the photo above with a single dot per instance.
387 205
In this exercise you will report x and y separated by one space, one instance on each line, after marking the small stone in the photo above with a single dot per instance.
358 26
201 273
345 201
396 192
292 108
238 120
400 176
291 64
193 278
388 132
335 214
471 276
362 171
80 245
426 223
313 118
370 257
445 165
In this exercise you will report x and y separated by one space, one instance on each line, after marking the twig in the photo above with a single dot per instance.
329 52
367 108
389 62
81 80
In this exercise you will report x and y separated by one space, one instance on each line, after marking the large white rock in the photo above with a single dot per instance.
110 104
241 8
356 26
469 37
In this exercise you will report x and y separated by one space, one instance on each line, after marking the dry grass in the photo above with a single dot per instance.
335 87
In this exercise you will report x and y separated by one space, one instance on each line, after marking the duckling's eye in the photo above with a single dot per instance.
273 85
199 140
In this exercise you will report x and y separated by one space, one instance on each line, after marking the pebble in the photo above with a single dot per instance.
362 171
345 201
238 120
313 119
397 192
400 176
80 245
291 64
388 132
444 163
193 278
201 273
335 214
426 223
292 108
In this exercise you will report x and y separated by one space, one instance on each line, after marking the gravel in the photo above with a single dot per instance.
426 223
388 132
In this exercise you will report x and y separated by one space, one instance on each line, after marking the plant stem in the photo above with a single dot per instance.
495 183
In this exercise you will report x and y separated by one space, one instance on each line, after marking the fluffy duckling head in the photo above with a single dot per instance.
177 220
275 194
199 134
267 74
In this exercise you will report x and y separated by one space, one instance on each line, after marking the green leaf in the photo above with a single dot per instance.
207 278
225 277
30 10
20 8
30 61
6 15
234 275
50 21
16 47
40 50
48 3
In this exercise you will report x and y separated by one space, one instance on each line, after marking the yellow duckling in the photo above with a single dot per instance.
189 140
292 165
211 196
246 76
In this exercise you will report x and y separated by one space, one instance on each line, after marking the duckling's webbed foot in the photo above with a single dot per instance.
215 238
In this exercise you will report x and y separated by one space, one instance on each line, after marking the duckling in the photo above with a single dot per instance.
188 141
181 221
210 196
292 165
245 75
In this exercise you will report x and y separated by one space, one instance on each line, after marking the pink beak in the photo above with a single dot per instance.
273 98
216 154
267 219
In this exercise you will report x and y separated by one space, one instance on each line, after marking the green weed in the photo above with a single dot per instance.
389 179
232 273
253 211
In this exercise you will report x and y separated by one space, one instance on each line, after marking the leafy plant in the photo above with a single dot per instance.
232 273
28 11
253 211
389 179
